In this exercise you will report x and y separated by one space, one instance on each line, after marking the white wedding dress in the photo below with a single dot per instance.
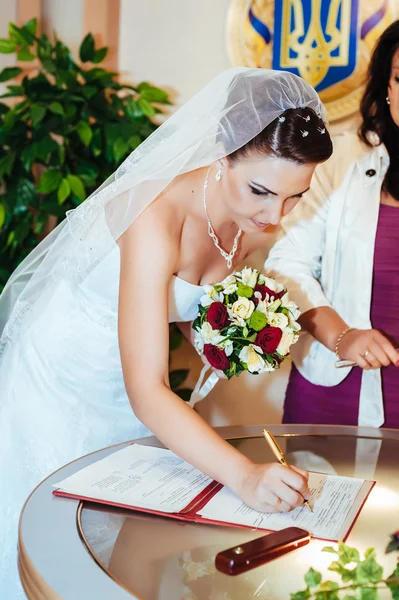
64 394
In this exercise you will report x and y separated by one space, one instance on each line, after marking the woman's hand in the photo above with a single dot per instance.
274 488
368 348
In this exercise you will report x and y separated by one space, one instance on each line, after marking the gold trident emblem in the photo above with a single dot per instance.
313 55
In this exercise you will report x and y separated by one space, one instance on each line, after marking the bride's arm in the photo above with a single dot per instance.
148 260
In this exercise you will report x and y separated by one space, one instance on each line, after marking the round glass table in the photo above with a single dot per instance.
72 550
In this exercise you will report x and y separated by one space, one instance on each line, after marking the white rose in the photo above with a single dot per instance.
277 320
285 343
243 308
251 358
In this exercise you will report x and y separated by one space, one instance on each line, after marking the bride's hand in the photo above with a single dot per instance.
274 488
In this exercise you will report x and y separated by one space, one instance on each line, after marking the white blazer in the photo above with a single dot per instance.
325 255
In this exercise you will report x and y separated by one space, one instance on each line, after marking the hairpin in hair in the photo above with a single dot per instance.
281 119
307 118
304 132
321 129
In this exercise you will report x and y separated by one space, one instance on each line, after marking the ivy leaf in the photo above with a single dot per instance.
347 554
368 594
37 113
21 231
7 47
146 107
89 91
56 108
85 132
87 49
369 571
25 55
394 585
177 377
77 186
99 55
49 181
133 110
63 191
303 595
9 73
312 578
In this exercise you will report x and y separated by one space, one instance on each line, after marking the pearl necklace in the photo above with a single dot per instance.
211 232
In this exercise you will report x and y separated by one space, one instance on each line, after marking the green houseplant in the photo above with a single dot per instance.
67 129
64 128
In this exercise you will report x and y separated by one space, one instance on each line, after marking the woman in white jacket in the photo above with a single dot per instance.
339 257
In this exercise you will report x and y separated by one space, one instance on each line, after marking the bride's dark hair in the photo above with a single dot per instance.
298 135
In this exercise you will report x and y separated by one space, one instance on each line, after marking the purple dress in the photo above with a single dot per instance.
339 405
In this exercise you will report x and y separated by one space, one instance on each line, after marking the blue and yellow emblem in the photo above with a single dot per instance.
327 42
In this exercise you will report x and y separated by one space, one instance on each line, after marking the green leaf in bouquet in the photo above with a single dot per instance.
245 331
273 306
257 320
245 291
218 287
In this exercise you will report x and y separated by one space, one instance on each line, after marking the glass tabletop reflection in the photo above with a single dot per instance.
157 558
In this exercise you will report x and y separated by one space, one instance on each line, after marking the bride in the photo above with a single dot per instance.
84 319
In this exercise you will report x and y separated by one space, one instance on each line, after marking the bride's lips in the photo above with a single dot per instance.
259 224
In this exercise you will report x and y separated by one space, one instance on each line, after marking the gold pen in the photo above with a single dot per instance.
278 453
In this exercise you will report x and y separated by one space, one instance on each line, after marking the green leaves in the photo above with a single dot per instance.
56 108
9 73
87 49
312 578
71 124
37 113
85 132
362 582
49 181
77 187
63 191
7 47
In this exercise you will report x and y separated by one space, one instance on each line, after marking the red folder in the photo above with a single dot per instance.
190 512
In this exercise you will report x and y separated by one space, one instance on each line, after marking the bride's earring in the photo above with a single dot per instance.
388 100
218 175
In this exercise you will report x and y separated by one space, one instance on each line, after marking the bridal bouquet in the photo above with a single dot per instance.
245 323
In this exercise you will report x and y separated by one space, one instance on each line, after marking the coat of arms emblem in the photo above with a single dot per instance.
327 42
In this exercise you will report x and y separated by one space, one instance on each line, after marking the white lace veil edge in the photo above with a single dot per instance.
226 114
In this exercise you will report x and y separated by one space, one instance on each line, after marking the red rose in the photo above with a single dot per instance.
263 290
217 316
216 357
268 339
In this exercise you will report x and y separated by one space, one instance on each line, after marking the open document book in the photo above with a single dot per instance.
155 480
